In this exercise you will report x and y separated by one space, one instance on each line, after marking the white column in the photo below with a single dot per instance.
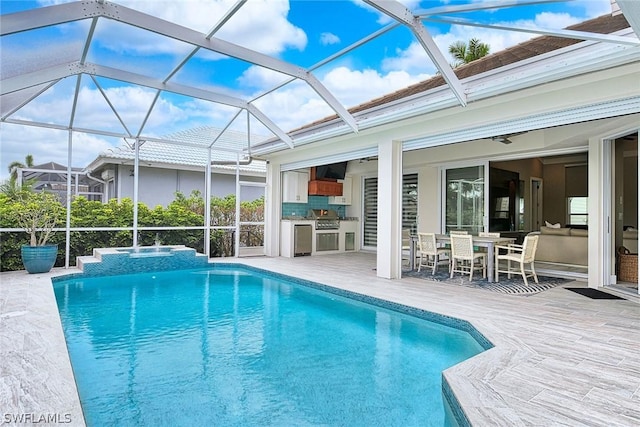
273 210
389 257
236 243
136 179
207 205
68 219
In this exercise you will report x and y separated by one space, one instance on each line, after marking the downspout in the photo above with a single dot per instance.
104 183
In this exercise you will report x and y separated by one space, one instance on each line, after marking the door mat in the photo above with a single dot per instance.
593 293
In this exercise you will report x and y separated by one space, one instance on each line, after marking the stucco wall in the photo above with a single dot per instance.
158 186
554 208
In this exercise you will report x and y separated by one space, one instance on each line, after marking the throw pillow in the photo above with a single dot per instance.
548 224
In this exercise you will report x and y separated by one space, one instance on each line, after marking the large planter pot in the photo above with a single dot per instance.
39 259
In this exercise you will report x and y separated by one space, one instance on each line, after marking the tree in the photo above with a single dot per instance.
15 165
38 215
464 54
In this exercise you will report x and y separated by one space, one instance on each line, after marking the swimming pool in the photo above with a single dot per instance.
235 346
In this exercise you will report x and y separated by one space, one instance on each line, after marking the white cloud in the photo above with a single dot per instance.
552 20
328 39
353 87
260 25
414 59
47 145
296 104
411 60
260 78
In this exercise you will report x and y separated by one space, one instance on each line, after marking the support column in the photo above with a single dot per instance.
273 210
207 205
68 218
389 256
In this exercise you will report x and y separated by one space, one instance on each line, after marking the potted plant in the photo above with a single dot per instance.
38 215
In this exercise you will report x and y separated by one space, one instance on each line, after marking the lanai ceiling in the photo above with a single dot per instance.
99 52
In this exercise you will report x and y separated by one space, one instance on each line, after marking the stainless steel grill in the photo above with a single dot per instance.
326 219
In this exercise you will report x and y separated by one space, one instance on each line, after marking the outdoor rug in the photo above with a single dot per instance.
513 286
593 293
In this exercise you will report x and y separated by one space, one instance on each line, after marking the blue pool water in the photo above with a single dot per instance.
234 347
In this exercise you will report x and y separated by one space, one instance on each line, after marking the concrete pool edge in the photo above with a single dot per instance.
36 369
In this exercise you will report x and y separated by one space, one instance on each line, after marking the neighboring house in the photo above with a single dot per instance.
166 168
52 177
561 114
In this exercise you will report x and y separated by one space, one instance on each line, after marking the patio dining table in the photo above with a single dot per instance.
483 242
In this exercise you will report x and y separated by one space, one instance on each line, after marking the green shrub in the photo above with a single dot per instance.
183 211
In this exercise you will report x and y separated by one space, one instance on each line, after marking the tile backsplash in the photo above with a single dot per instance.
315 202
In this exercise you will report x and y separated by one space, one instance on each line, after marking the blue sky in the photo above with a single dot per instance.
299 32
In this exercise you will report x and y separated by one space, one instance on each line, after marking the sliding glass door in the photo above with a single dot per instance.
464 195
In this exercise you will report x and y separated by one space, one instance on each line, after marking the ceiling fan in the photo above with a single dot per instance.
505 138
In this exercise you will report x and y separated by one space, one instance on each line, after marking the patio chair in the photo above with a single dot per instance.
429 252
406 245
520 254
458 232
463 257
486 234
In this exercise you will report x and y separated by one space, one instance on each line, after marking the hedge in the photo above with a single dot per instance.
182 211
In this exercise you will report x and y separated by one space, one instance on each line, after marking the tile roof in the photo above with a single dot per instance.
193 154
605 24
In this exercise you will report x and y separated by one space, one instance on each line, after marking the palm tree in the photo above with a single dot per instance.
15 165
463 53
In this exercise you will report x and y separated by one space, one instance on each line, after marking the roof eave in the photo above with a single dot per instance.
558 64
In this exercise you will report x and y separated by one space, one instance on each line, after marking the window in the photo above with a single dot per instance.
577 210
464 199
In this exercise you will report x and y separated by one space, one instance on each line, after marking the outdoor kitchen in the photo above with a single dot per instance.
314 212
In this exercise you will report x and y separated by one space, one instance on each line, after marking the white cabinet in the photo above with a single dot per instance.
322 241
345 199
295 187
